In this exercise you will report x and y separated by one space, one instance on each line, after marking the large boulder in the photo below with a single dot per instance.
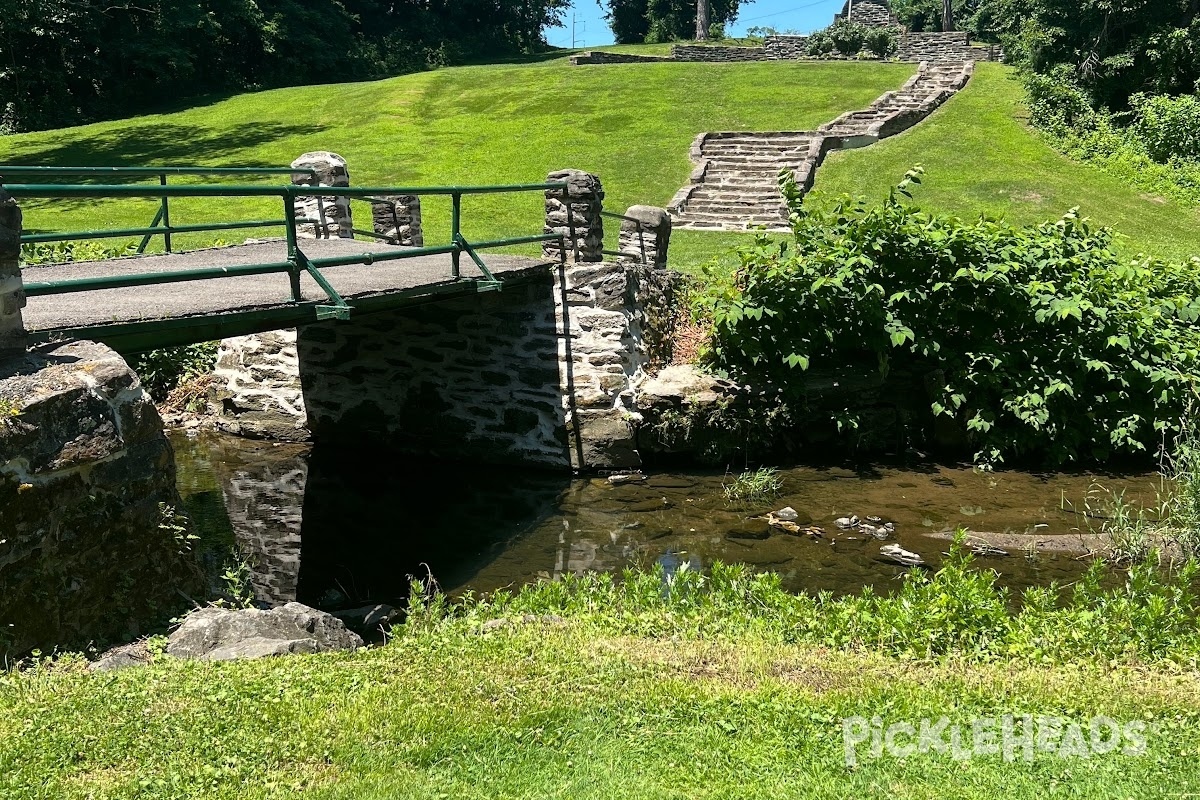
222 634
91 546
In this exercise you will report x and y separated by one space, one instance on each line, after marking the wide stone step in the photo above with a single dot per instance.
748 219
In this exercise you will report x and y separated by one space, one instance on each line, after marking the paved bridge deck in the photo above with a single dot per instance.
196 310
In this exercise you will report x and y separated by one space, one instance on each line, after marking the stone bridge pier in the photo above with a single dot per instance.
541 373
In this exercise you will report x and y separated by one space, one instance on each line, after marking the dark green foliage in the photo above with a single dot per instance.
820 43
1037 342
163 370
1168 127
1111 52
848 37
1156 147
71 62
635 21
881 42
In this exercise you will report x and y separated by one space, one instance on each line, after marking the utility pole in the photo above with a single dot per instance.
701 20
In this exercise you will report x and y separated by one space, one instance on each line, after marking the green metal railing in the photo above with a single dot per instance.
297 262
640 232
161 224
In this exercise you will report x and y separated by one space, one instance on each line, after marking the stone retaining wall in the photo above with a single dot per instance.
944 46
89 546
717 53
786 47
604 57
920 46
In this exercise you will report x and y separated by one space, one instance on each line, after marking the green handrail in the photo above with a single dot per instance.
297 262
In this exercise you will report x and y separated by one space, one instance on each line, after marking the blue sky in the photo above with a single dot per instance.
800 15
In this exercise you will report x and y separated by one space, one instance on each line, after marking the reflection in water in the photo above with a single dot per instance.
336 531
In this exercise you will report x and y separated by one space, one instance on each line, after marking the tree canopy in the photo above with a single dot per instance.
634 21
63 62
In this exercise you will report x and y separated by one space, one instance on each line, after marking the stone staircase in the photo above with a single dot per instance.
735 185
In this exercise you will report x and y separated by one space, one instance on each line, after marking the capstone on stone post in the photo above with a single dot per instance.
580 204
333 212
12 291
647 239
398 217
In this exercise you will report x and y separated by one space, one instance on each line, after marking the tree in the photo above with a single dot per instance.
701 20
635 21
947 15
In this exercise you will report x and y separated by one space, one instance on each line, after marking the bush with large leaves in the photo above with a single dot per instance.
1042 344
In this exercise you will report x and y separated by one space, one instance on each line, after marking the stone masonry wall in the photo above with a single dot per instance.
717 53
786 47
921 46
88 547
474 378
260 395
944 46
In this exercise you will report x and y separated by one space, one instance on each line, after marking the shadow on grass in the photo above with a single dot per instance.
156 143
152 144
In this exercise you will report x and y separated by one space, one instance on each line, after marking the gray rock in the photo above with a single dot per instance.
220 634
368 618
123 657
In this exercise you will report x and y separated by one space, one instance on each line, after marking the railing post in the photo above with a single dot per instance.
333 212
12 291
398 217
647 239
455 232
575 215
293 250
166 214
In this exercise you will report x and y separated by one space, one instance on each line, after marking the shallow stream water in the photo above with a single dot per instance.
339 532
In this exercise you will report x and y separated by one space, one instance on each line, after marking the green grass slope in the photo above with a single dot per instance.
981 158
629 124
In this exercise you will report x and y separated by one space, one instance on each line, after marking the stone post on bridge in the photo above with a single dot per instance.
646 241
575 211
398 217
12 291
333 212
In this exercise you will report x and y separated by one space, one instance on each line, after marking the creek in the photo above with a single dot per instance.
340 531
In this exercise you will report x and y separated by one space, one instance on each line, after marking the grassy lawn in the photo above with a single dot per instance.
980 158
538 709
709 685
630 124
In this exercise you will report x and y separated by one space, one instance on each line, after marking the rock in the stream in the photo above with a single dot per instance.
220 634
787 514
368 618
901 556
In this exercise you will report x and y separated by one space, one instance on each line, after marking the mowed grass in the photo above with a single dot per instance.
630 124
560 709
980 157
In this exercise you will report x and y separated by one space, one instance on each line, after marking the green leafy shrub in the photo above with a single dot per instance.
1156 152
848 36
163 370
1168 127
881 42
1036 342
957 611
66 252
820 44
